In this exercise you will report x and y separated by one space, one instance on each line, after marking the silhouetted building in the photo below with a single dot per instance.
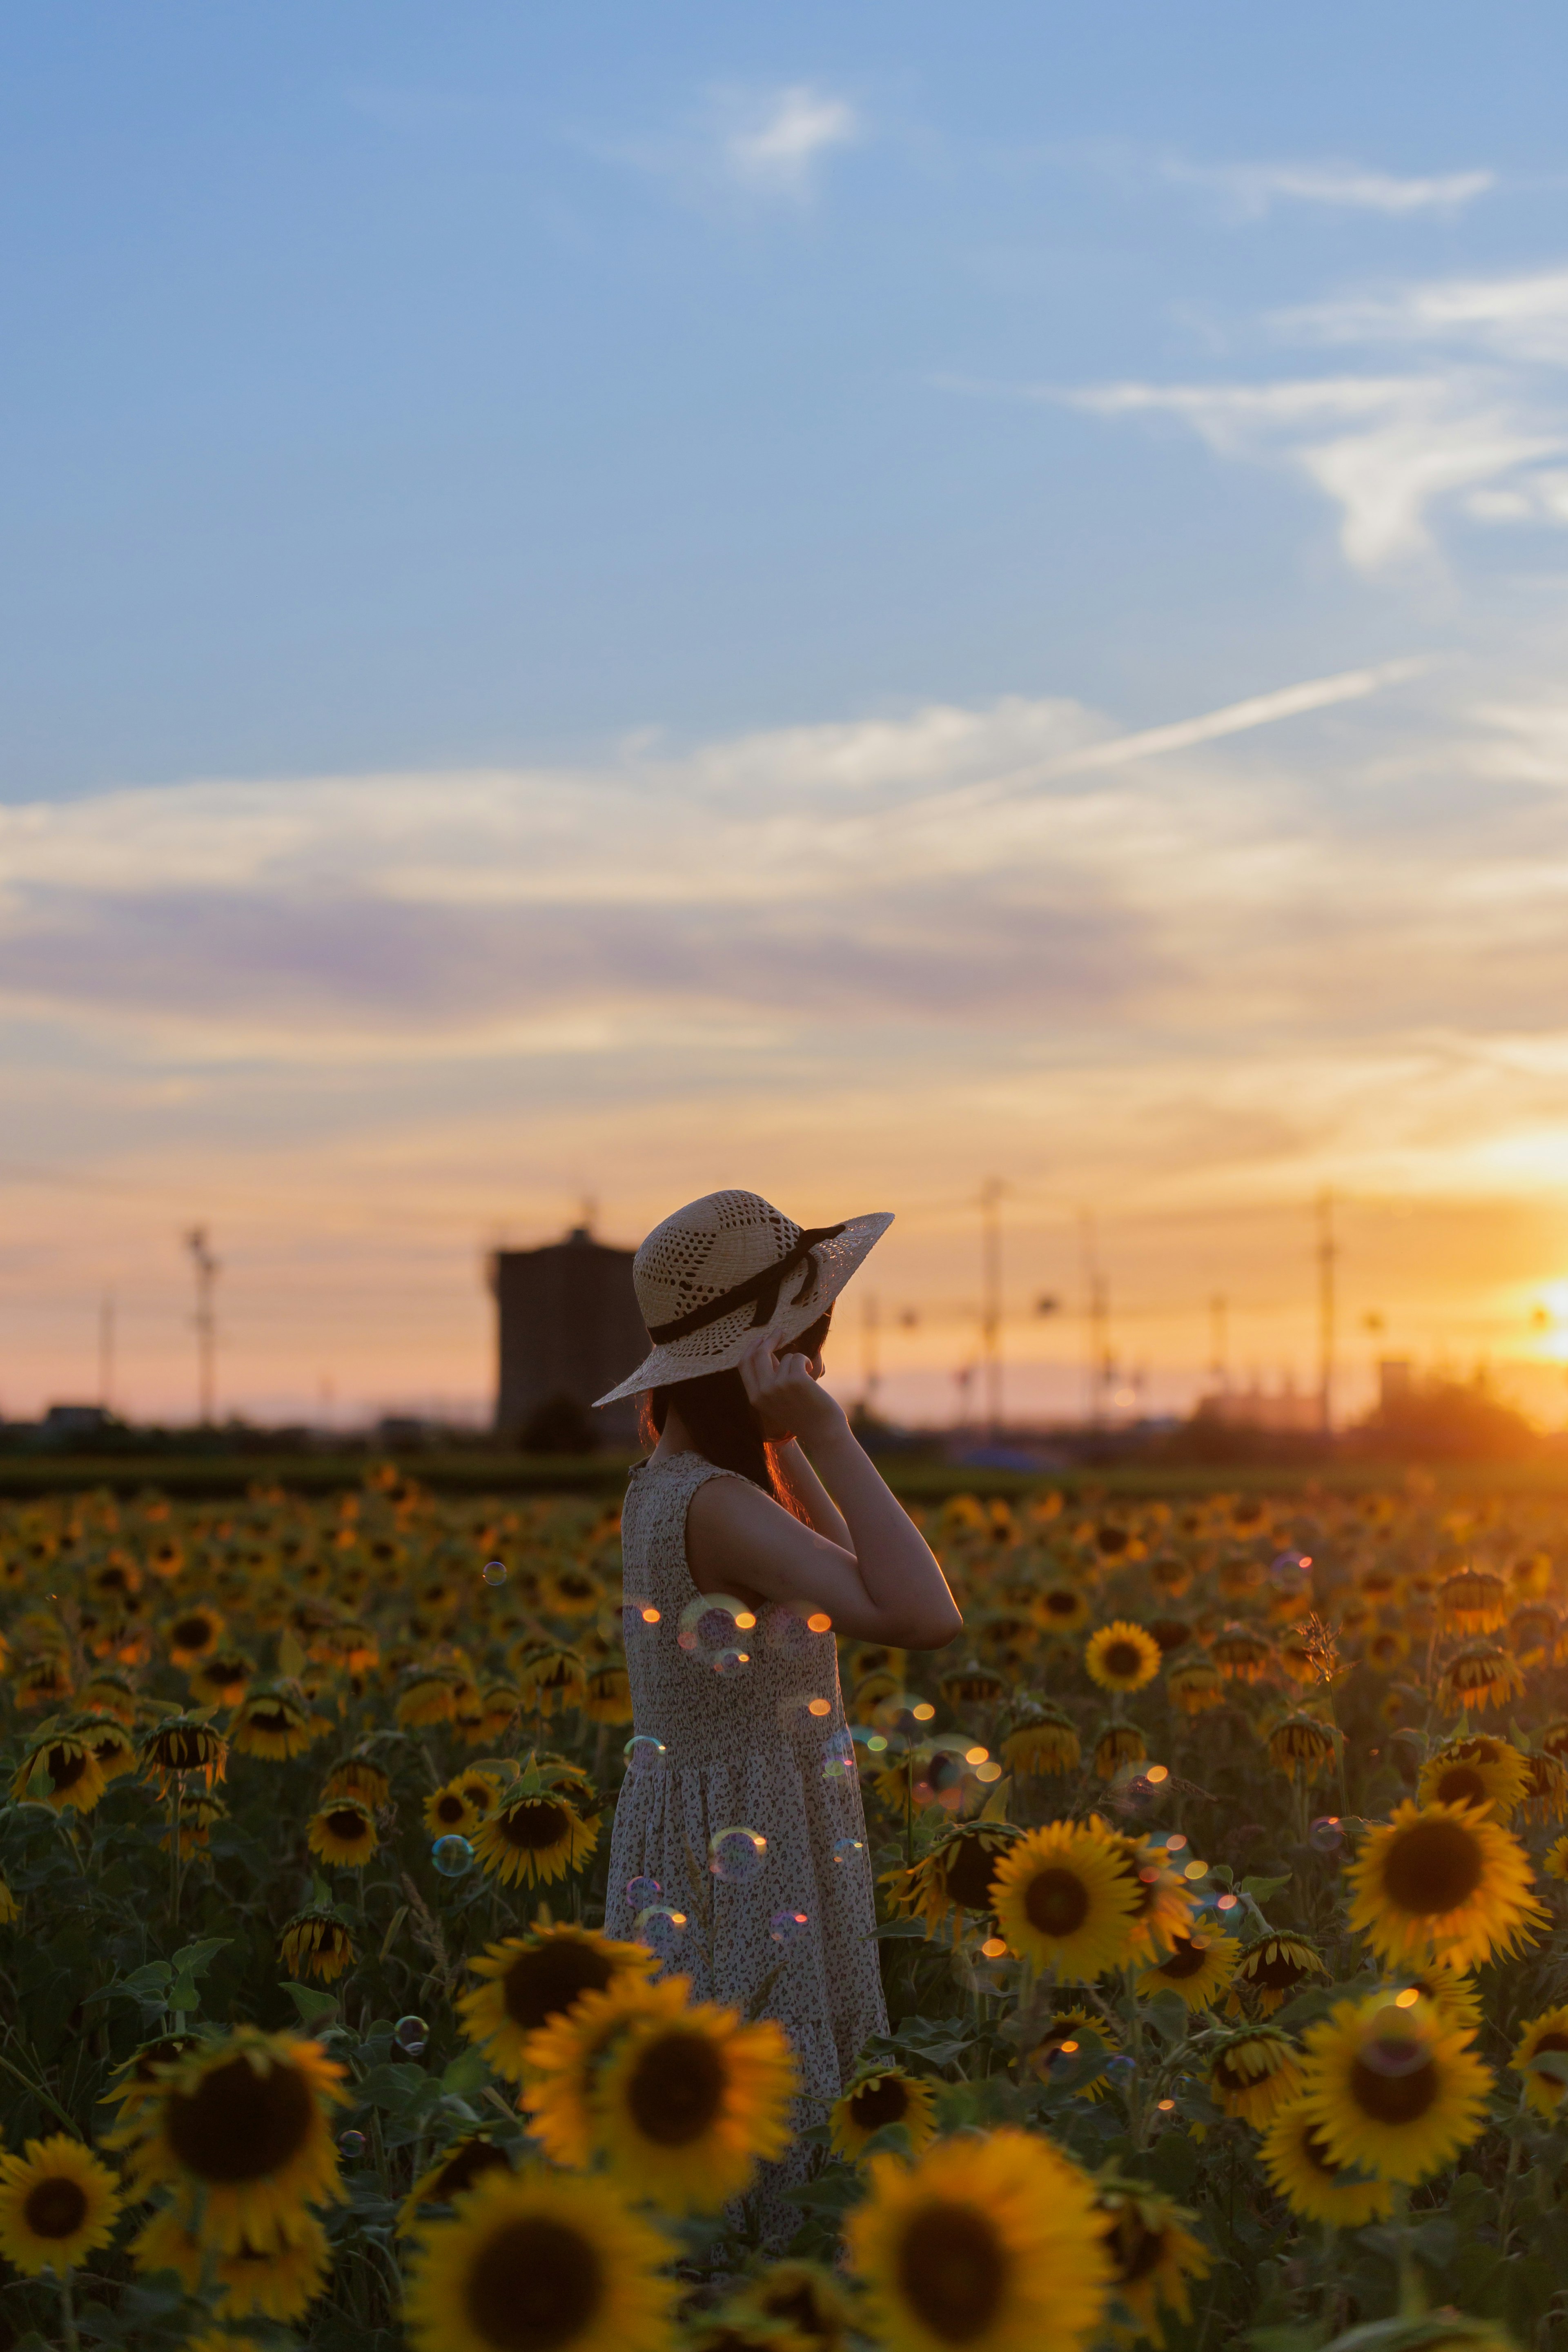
568 1330
1286 1408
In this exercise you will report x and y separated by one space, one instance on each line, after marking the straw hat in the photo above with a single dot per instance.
727 1267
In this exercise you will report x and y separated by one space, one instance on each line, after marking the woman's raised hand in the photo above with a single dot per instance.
784 1392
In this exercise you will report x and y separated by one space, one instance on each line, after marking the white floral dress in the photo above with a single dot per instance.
744 1749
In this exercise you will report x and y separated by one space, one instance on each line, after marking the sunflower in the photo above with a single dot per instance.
1543 2036
1119 1744
533 1837
1393 2090
1553 1740
240 2129
535 2259
198 1815
181 1745
358 1776
1047 1742
1241 1655
222 1680
960 1872
1442 1878
110 1743
560 2062
1533 1633
192 1634
1546 1788
801 2298
685 2105
1198 1968
1474 1601
343 1833
480 1787
1296 2158
607 1695
1152 2251
448 1811
1194 1685
1121 1657
1555 1859
1162 1899
885 2095
142 2074
1385 1648
109 1694
457 2169
317 1943
1064 1900
549 1678
993 2244
1301 1742
1170 1573
1450 1992
530 1981
972 1684
1062 1608
1271 1967
1064 2036
274 1722
1482 1771
67 1773
1478 1676
1254 2072
58 2202
277 2283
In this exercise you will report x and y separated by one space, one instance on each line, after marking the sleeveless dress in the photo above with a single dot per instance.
743 1750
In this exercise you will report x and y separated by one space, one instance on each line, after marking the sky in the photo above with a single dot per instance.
858 601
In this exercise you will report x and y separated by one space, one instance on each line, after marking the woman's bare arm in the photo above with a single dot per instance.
883 1585
811 1493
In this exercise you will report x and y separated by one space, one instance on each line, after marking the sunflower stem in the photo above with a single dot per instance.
68 2311
1510 2180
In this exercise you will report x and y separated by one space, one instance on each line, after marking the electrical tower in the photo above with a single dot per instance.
205 1319
1328 1251
991 1193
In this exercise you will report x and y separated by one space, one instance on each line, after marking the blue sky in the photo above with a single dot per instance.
563 567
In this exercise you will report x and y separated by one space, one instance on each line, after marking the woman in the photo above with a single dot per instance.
744 1699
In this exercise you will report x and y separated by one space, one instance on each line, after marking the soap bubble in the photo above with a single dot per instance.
643 1754
1395 2054
1287 1569
784 1926
643 1893
661 1929
839 1757
714 1627
636 1611
737 1855
1121 2068
494 1571
1326 1836
452 1856
411 2034
848 1850
350 2146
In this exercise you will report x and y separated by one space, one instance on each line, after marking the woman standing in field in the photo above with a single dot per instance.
742 1558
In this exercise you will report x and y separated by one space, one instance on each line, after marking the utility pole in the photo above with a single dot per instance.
1097 1310
106 1351
1219 1346
991 1193
206 1269
1328 1251
871 1327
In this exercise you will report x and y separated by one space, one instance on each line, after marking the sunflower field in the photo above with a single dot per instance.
1222 1870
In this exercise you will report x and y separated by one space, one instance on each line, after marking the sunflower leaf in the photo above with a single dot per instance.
312 2006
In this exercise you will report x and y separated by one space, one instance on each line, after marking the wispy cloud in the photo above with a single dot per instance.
777 142
1254 189
1523 318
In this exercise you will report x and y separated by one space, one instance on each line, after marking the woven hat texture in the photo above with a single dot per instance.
784 1274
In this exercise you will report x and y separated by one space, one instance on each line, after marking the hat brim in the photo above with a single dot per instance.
719 1348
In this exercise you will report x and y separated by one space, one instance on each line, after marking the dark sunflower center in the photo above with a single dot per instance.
240 2125
532 2286
192 1633
1315 2148
533 1826
1433 1866
1061 1605
1135 2247
1057 1902
348 1826
540 1983
56 2208
449 1809
1123 1658
461 2171
1550 2041
1186 1960
1391 2098
887 2102
269 1719
952 2270
676 2088
968 1869
65 1766
1277 1973
1461 1784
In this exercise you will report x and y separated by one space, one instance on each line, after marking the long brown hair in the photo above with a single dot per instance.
723 1421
